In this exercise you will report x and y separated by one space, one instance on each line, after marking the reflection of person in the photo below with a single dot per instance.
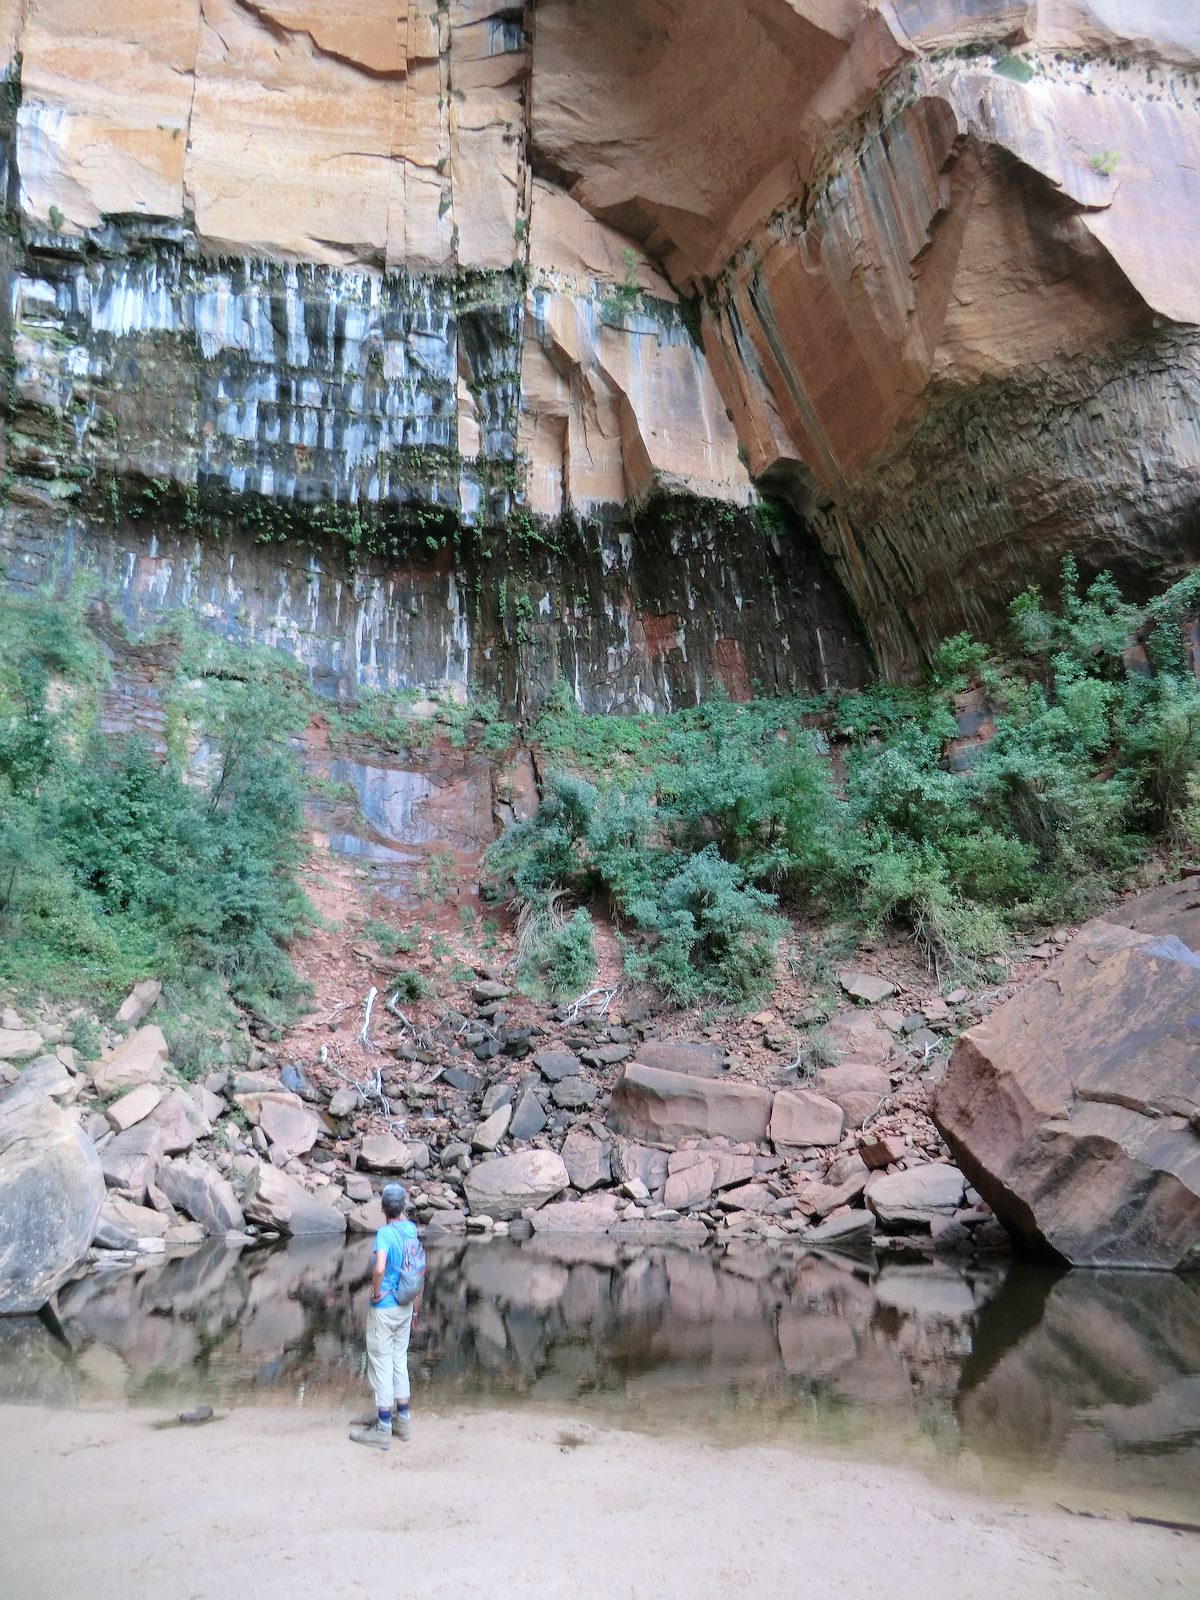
396 1285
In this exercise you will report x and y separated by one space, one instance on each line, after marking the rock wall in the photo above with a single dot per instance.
295 341
945 251
331 305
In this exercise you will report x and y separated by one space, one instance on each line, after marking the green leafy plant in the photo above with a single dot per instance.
1014 67
117 862
738 807
409 986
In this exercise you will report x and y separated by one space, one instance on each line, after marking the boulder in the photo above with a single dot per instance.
595 1213
853 1230
495 1096
212 1107
139 1059
821 1199
51 1192
294 1079
245 1083
20 1044
637 1163
275 1201
47 1075
179 1122
132 1159
731 1167
203 1194
138 1003
383 1152
573 1094
859 1038
457 1078
668 1107
179 1233
881 1149
252 1101
132 1107
857 1087
1068 1108
511 1184
554 1065
489 1133
866 986
690 1180
697 1060
292 1129
606 1055
122 1225
357 1187
911 1199
528 1118
366 1218
800 1117
746 1197
488 989
343 1102
586 1160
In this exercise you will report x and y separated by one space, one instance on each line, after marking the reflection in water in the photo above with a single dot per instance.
1003 1378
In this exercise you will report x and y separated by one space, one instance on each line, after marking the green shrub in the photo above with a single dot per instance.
392 941
1087 765
715 935
85 1037
556 953
409 985
692 922
115 864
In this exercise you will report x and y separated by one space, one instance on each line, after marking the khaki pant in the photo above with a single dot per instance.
388 1328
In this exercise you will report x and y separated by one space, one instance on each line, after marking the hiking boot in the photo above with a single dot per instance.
401 1426
379 1437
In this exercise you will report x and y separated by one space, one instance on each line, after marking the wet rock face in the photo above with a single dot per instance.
330 463
1073 1108
300 342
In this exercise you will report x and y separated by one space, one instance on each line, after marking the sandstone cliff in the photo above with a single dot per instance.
431 280
946 252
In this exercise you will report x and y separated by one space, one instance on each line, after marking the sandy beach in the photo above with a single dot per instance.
266 1503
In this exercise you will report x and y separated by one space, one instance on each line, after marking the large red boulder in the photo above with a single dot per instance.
1074 1109
665 1108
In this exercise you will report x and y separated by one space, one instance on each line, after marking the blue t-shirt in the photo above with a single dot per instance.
392 1238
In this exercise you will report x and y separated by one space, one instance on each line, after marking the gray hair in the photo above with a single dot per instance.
393 1199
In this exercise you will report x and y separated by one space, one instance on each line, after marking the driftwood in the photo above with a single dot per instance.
1168 1523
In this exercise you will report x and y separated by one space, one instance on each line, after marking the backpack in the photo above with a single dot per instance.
412 1270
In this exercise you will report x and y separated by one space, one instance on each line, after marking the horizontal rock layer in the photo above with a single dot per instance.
405 273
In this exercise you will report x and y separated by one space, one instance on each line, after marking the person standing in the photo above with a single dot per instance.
396 1285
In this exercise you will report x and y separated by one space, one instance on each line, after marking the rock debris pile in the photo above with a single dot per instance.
501 1117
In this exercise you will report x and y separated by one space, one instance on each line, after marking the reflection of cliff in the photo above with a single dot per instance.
1086 1365
1075 1374
556 1318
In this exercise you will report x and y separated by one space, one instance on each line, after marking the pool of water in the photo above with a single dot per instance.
1078 1387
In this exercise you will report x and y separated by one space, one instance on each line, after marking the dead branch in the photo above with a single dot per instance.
364 1033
